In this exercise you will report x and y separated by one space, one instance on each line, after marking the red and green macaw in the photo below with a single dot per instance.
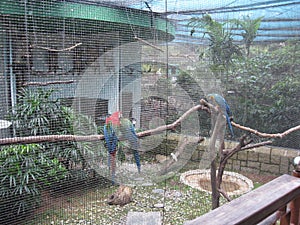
219 101
111 140
115 125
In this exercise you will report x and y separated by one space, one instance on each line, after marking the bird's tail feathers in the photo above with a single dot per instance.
230 126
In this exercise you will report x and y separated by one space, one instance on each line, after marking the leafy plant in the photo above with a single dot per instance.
77 124
284 111
24 171
38 113
222 50
265 84
194 91
250 28
266 90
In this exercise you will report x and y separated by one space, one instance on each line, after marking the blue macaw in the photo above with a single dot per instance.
128 131
219 101
113 126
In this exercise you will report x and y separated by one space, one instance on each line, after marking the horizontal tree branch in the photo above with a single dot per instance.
57 50
89 138
48 83
227 153
266 135
170 126
81 138
257 145
148 43
49 138
256 132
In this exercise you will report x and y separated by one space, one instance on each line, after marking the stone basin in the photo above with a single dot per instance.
233 183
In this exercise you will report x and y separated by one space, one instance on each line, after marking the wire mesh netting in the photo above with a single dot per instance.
111 108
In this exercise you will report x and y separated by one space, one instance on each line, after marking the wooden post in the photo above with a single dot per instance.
284 215
295 204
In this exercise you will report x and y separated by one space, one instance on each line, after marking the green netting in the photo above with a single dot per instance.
67 66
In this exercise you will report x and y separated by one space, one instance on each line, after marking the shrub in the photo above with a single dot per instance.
24 171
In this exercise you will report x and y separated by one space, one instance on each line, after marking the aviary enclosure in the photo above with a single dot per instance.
175 151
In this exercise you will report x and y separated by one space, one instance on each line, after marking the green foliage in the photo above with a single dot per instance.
76 124
267 90
265 83
285 110
195 92
146 68
222 50
187 83
24 170
37 113
250 28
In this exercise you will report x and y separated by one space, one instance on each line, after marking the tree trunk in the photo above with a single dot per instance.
215 195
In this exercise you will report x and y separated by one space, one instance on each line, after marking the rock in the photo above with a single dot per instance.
168 194
138 179
173 194
147 184
158 191
142 218
158 205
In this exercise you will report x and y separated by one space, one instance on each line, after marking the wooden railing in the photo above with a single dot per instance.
276 202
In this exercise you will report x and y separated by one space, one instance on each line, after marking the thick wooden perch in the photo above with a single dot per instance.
266 135
203 106
172 160
89 138
225 154
207 107
49 138
172 125
216 144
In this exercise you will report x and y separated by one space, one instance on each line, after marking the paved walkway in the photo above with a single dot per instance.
142 218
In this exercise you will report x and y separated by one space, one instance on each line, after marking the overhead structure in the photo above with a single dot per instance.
88 15
281 18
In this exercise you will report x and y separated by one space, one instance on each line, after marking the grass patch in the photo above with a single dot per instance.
87 203
180 203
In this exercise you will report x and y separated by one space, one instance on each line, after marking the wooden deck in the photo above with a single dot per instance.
256 205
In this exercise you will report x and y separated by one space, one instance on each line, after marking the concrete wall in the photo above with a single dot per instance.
266 160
